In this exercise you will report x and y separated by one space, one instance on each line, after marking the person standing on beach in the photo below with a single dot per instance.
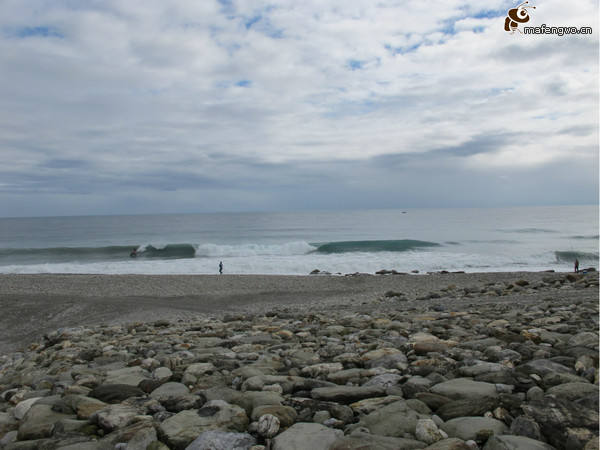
220 267
576 266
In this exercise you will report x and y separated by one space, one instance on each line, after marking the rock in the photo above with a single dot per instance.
347 394
428 432
515 443
180 430
114 417
573 391
422 348
475 428
542 367
466 408
462 388
392 420
24 406
388 358
449 444
526 427
253 399
556 416
38 422
110 393
268 426
286 414
169 390
301 436
364 441
221 440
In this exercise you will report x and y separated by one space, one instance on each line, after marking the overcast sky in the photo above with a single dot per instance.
151 106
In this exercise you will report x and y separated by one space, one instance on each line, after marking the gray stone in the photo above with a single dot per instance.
302 436
466 408
252 399
573 391
461 388
38 422
113 417
169 390
221 440
527 427
347 394
515 443
467 428
449 444
542 367
180 430
364 441
109 393
392 420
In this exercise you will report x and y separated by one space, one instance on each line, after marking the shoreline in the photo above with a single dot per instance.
35 304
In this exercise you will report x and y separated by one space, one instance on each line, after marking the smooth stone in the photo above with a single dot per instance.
388 358
393 420
526 427
585 339
385 380
364 441
38 422
286 414
461 388
114 417
466 408
347 394
181 429
424 347
221 440
169 390
252 399
428 432
573 391
449 444
109 393
302 436
257 383
515 443
467 428
24 406
542 367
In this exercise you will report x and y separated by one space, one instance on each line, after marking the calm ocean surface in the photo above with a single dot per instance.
503 239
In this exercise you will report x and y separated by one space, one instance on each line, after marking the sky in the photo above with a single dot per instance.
147 106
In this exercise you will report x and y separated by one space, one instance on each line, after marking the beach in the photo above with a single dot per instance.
35 304
436 361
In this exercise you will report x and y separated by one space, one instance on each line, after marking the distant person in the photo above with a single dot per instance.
221 267
576 266
134 252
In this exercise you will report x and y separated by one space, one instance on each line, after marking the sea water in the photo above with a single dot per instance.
470 240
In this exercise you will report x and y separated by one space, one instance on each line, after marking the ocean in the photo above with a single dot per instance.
424 240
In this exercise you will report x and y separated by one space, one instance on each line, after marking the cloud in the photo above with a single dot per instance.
140 100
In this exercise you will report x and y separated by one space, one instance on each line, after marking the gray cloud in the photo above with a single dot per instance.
227 105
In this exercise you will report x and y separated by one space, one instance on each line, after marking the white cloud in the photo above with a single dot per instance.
139 88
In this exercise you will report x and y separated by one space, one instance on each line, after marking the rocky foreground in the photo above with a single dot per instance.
510 365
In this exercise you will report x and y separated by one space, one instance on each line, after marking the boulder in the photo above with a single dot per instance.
347 394
474 428
111 393
221 440
363 441
462 388
38 422
302 436
515 443
181 429
393 420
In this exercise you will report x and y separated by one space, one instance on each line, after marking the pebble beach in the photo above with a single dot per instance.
391 361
